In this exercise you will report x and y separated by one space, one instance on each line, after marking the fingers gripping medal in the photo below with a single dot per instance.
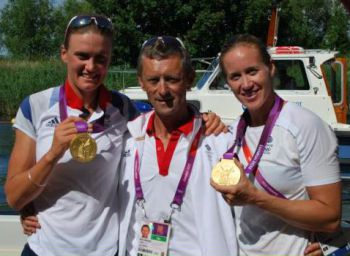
83 147
226 172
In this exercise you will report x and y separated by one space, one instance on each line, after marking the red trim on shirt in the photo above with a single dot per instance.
164 156
74 101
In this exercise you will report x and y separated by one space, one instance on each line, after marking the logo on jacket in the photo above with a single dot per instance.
53 122
209 152
126 153
107 118
207 147
269 145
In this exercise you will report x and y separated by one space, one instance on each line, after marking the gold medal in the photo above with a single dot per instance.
226 172
83 148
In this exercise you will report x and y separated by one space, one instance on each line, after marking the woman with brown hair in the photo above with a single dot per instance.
68 147
290 184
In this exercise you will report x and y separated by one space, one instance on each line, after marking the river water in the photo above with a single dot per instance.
6 142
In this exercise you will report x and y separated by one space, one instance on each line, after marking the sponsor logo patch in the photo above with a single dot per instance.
53 122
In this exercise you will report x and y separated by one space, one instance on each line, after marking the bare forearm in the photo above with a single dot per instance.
26 177
312 215
321 212
25 186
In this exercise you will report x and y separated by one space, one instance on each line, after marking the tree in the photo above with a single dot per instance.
202 24
32 28
314 24
26 28
64 13
336 32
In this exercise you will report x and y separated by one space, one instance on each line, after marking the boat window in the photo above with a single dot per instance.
290 75
219 83
332 71
207 73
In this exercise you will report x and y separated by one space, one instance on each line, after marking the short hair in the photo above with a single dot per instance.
245 39
145 226
163 47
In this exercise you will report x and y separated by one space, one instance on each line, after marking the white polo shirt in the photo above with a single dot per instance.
77 210
205 225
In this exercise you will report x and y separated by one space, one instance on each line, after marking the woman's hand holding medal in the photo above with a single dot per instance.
83 147
64 134
235 191
226 172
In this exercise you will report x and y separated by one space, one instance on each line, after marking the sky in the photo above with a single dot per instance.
2 3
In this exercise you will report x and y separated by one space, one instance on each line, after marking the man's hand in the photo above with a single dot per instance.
313 249
29 220
213 124
30 224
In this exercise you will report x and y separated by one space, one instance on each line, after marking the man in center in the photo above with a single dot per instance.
170 159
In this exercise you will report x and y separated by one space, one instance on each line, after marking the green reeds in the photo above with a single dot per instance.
19 79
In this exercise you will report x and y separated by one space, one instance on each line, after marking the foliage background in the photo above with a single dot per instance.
31 31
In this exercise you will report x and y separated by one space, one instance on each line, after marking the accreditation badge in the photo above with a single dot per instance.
226 172
154 239
335 244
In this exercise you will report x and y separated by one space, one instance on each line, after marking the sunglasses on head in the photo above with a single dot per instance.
168 41
85 20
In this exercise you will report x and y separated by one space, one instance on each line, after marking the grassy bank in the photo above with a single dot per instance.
19 79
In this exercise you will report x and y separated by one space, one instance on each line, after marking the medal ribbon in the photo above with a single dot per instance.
181 187
97 126
241 129
263 182
271 120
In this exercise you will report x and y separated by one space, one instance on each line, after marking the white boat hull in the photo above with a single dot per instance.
12 238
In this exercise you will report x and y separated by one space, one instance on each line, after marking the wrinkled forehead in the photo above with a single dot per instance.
172 62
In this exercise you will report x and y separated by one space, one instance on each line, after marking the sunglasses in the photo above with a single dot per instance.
168 41
86 20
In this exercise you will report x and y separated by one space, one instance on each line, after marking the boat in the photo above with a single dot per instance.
12 239
315 79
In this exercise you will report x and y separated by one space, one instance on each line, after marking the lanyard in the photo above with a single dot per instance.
181 187
254 161
263 182
97 126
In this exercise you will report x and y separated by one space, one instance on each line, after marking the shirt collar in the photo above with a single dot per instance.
73 100
185 128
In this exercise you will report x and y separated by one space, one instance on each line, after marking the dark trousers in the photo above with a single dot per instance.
28 252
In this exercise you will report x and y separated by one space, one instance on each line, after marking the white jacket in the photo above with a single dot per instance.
214 223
